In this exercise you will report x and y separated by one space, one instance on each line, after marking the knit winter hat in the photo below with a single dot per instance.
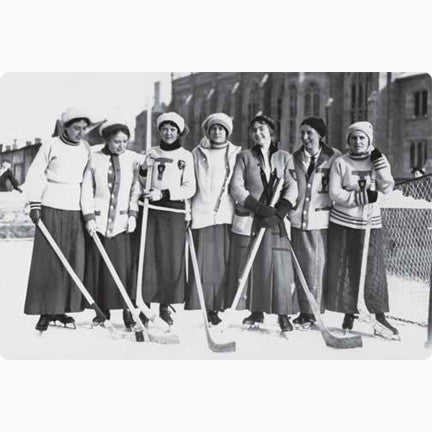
173 118
220 119
362 126
73 113
264 119
109 128
316 123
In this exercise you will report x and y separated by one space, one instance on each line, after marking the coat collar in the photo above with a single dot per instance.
326 153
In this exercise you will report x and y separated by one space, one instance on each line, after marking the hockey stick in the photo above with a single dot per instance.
248 266
114 332
352 341
215 347
141 333
364 314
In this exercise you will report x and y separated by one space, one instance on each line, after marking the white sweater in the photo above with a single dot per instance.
56 173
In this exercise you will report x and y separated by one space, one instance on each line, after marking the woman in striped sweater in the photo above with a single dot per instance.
355 180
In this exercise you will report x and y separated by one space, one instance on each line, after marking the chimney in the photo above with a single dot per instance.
157 94
8 147
28 143
1 148
38 141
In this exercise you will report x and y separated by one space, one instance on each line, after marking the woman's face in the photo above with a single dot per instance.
117 143
261 134
169 133
358 142
310 138
217 134
77 130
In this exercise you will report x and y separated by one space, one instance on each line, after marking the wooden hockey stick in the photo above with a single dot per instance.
364 314
248 266
331 340
141 333
108 325
214 346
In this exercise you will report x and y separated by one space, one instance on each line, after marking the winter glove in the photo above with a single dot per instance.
375 155
91 227
35 212
372 196
259 208
131 224
153 195
269 222
282 208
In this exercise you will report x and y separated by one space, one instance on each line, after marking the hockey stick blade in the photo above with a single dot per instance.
219 347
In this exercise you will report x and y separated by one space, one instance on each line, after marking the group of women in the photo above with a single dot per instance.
223 194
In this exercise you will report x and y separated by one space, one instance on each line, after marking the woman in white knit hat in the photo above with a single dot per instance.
212 213
53 184
109 202
172 185
355 180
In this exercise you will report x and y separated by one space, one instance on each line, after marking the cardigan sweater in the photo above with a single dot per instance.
350 177
312 211
249 178
110 191
212 204
54 178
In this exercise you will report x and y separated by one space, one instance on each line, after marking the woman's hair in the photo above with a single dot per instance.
76 120
113 130
168 122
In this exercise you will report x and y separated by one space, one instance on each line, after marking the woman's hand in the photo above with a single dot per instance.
153 195
91 227
131 224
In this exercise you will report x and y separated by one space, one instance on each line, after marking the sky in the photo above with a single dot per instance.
30 103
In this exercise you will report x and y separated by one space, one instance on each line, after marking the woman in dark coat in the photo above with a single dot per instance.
271 287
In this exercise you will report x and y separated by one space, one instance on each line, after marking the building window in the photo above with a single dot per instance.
312 101
292 94
420 103
418 154
360 89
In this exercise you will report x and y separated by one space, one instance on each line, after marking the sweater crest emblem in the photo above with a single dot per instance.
181 164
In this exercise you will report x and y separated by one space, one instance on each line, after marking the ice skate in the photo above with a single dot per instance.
128 319
213 318
304 321
43 323
254 319
380 317
285 324
165 314
98 320
348 323
66 320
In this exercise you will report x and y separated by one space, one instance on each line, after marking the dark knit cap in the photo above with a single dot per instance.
316 123
264 119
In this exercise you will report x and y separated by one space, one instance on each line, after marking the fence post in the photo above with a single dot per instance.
429 327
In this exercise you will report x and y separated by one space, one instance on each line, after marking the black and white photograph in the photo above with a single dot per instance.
210 215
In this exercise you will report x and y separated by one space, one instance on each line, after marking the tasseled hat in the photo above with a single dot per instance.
316 123
220 119
74 114
362 126
172 117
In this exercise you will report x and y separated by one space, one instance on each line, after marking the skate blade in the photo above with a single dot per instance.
392 338
347 332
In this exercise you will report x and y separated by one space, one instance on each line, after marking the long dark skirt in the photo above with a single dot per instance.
50 289
212 246
270 287
98 279
345 252
164 260
310 248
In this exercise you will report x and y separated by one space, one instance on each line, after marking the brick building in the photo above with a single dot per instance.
399 106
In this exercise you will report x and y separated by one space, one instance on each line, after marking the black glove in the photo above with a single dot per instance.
372 196
269 222
375 155
282 208
259 208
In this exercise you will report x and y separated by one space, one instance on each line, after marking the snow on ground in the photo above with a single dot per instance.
19 339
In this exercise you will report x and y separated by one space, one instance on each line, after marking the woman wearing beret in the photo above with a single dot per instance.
109 202
271 287
212 214
54 187
172 185
310 218
355 180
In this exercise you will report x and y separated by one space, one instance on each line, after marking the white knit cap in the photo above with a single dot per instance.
73 113
220 119
171 117
362 126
